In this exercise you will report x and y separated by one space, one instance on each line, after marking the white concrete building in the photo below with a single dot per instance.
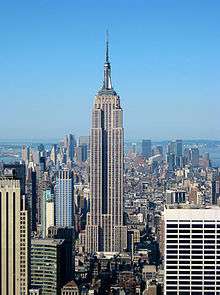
192 251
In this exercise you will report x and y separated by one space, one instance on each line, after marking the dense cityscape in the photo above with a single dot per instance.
100 215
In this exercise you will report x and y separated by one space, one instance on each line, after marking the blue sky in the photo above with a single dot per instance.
165 66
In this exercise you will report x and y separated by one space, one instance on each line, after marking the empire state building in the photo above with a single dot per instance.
105 230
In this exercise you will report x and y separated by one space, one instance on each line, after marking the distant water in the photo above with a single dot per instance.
8 160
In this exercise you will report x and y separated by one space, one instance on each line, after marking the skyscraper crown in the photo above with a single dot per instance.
107 88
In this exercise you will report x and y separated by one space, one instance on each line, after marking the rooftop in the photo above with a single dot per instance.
192 213
71 284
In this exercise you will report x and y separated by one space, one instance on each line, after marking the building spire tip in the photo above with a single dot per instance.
107 49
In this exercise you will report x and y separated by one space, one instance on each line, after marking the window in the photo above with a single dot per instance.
184 225
171 225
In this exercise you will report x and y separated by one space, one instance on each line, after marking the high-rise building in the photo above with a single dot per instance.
215 190
179 148
64 205
170 158
146 148
158 150
31 191
14 233
186 156
43 183
53 154
17 171
47 212
68 235
84 140
25 236
69 144
105 230
175 197
25 154
194 156
48 265
82 152
42 164
41 149
191 251
171 147
179 153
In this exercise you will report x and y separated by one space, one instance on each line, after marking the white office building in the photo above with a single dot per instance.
192 251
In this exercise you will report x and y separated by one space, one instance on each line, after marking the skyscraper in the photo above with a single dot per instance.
170 162
25 154
215 190
105 229
32 196
17 171
47 212
171 147
82 152
48 265
68 235
191 248
64 198
179 153
69 144
179 148
25 237
14 235
194 154
146 148
53 154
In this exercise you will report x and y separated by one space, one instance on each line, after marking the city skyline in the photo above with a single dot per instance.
162 65
94 211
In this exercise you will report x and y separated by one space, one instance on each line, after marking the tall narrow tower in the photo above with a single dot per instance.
14 237
105 230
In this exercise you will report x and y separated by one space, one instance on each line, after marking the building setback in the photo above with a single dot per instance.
105 230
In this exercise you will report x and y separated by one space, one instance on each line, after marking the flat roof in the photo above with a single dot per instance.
47 242
208 213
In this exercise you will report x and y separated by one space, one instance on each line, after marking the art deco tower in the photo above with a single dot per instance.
105 230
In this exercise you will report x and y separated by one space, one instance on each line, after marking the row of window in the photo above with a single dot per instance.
213 252
192 278
193 272
198 288
191 262
187 246
193 241
199 283
197 267
191 293
191 257
207 236
188 225
189 230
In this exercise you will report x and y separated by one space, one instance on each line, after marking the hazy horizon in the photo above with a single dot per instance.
127 139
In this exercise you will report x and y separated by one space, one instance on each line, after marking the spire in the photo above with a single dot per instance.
107 84
107 88
106 52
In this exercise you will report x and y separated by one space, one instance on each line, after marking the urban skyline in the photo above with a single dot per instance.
163 65
92 213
